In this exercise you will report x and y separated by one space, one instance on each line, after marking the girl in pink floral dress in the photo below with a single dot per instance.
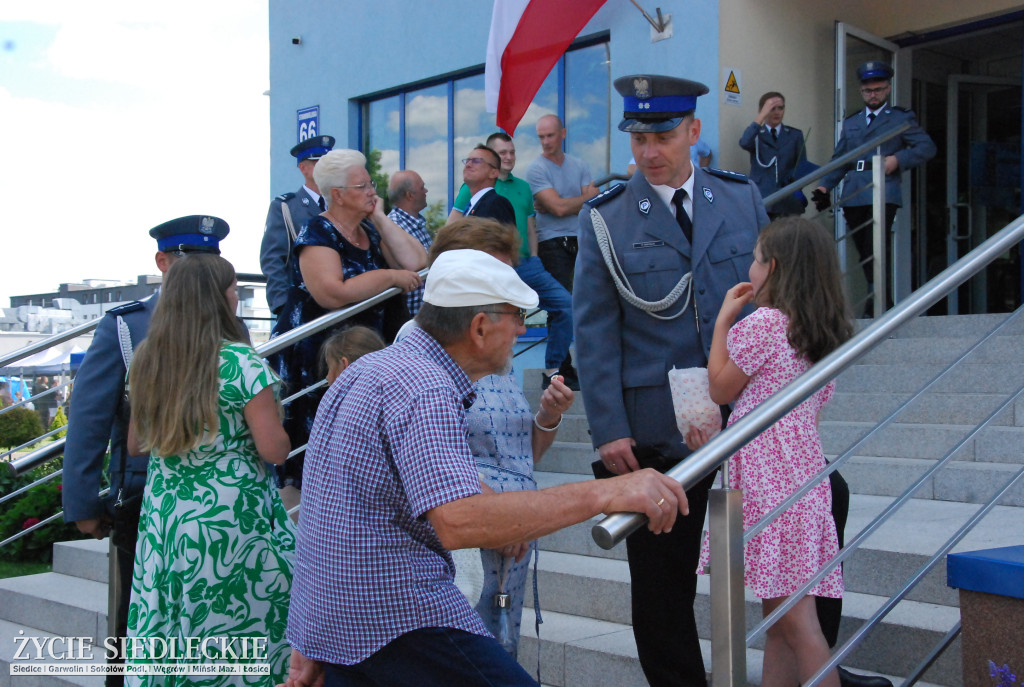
801 318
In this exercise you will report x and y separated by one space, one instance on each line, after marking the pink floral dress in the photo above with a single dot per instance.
784 555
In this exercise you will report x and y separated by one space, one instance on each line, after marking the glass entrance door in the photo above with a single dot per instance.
983 143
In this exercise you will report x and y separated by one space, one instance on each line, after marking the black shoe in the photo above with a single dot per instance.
848 679
568 372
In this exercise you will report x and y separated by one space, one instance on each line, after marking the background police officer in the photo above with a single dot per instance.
287 215
100 413
670 220
901 153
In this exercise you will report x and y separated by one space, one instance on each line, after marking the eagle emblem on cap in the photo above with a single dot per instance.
206 225
642 87
326 140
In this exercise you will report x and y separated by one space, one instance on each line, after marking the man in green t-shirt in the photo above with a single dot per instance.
554 299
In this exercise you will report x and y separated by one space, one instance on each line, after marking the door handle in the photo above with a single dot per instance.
970 221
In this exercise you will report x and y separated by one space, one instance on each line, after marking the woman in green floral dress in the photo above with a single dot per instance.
213 565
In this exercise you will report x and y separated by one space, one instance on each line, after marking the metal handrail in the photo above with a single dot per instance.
833 165
49 342
38 457
31 399
28 443
614 528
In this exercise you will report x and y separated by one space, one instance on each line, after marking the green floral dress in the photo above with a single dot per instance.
214 558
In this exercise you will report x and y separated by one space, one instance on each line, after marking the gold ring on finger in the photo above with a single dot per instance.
661 503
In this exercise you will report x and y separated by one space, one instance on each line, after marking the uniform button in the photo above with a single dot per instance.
650 265
706 319
700 291
733 250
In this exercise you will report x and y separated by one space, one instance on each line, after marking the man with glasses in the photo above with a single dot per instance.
100 413
901 153
287 215
479 172
555 300
392 487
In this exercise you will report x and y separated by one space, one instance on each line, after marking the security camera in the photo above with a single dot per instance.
297 40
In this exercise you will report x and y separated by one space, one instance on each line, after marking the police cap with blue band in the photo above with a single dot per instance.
874 71
313 148
191 234
653 103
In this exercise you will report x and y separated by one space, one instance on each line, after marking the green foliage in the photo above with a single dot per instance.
59 420
379 177
18 426
435 216
35 505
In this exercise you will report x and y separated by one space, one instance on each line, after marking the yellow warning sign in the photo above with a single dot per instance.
731 85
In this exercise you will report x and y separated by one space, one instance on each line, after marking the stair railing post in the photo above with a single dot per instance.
728 612
879 234
113 588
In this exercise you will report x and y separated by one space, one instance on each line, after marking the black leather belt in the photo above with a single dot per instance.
863 165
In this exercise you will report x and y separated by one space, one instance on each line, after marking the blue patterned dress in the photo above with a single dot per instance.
300 365
500 435
215 552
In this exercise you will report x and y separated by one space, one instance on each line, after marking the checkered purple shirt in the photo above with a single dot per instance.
417 226
388 445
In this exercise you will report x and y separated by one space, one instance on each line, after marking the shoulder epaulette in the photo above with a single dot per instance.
606 195
133 306
284 197
726 174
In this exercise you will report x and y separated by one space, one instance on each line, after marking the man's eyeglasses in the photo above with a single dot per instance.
362 187
518 312
878 90
477 161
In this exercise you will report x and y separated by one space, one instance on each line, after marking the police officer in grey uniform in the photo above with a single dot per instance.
776 150
901 153
287 215
100 413
672 225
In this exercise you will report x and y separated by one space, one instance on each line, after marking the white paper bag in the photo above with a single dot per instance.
692 401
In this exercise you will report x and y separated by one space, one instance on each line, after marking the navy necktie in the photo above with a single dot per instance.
322 204
871 118
681 217
775 135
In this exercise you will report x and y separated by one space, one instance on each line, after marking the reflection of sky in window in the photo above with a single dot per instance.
586 106
383 132
426 139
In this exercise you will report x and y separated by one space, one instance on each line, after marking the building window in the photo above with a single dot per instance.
430 127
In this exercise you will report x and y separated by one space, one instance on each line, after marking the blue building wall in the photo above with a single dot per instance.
351 50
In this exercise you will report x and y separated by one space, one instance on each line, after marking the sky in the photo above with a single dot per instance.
117 115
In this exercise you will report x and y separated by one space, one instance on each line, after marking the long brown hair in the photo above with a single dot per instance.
174 381
805 283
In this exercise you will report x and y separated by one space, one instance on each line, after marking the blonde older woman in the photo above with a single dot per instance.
348 253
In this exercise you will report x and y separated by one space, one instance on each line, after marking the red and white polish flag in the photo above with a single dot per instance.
527 38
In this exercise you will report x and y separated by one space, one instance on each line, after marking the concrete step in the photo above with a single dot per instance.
883 563
953 409
85 558
959 481
569 457
945 349
995 378
582 652
966 326
912 440
52 602
9 650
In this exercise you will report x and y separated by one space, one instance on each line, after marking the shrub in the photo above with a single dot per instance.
32 507
59 420
18 426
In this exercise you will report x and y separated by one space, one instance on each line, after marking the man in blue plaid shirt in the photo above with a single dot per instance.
408 196
391 486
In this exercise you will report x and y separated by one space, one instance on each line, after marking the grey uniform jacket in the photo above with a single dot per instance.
98 415
624 354
277 245
773 162
913 147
